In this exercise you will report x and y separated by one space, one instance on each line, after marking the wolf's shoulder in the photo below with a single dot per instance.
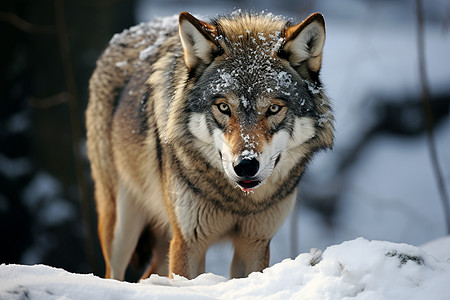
132 47
146 32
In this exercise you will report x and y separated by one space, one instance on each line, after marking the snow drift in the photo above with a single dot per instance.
360 269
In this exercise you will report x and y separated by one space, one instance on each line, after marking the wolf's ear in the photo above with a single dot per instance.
304 43
198 39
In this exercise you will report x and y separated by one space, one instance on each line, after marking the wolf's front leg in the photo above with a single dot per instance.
249 256
186 257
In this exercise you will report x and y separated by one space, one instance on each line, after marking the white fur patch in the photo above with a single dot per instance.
186 210
282 143
205 142
198 127
227 154
303 131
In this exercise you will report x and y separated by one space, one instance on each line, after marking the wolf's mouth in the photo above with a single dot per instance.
248 185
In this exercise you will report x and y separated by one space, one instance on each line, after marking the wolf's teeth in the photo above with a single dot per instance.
248 191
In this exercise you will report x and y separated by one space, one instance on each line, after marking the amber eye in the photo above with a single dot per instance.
224 108
273 109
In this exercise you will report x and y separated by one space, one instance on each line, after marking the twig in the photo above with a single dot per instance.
98 4
25 26
45 103
428 113
76 130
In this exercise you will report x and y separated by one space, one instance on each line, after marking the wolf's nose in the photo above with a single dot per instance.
245 167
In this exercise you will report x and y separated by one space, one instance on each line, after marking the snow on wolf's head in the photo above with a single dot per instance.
257 100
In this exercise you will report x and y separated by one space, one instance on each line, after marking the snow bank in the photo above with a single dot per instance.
359 268
438 248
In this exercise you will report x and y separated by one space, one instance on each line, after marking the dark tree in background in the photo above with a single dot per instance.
48 52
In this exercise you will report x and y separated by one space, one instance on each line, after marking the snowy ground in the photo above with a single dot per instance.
360 269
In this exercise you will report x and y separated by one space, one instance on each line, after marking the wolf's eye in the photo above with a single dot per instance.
224 108
273 109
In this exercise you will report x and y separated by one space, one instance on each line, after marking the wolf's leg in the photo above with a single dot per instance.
130 222
249 256
160 258
106 210
187 258
105 229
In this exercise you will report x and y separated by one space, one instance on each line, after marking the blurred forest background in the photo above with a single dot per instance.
48 53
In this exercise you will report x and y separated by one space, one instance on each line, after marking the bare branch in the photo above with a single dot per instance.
428 113
54 100
69 75
25 26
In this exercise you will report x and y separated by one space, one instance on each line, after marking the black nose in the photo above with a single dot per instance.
246 167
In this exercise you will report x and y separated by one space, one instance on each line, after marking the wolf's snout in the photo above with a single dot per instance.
245 167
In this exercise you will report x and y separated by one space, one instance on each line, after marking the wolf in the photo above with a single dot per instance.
199 131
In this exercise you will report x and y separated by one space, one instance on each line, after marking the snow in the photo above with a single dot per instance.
153 33
121 64
359 268
438 248
249 154
324 118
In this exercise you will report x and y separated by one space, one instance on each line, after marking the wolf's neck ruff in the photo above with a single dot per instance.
201 132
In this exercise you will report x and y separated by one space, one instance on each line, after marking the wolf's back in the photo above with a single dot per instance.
127 52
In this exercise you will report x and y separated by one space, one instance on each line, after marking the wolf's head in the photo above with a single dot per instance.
256 100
